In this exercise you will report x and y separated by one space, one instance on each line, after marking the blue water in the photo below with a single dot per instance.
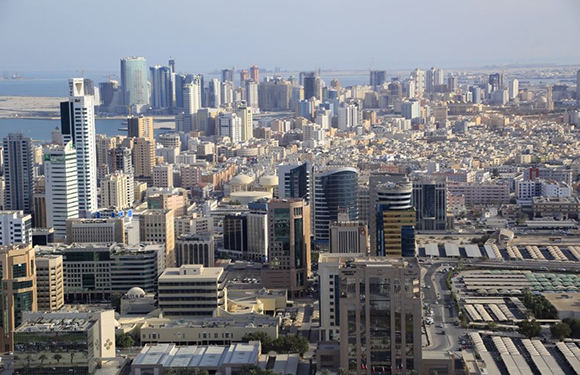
41 129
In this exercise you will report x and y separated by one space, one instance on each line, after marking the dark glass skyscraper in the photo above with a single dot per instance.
18 173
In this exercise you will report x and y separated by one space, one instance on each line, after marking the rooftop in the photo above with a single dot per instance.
55 325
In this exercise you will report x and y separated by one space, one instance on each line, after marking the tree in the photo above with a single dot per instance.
529 328
574 325
560 330
57 357
125 340
42 358
262 337
116 301
291 344
253 370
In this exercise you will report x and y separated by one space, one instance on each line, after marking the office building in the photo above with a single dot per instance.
230 125
192 97
61 180
377 78
430 81
192 290
411 109
18 173
158 226
312 86
140 127
246 236
110 230
288 245
214 95
295 180
380 315
195 249
244 112
496 81
162 89
578 87
78 125
333 192
349 237
167 198
49 282
395 219
18 289
15 227
474 193
163 176
430 202
39 210
135 83
144 157
228 75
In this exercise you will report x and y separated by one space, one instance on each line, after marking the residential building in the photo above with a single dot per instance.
117 191
49 282
15 227
163 176
144 157
140 127
158 226
18 173
483 193
192 290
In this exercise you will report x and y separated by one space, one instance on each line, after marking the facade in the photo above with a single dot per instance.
49 282
162 87
380 315
159 226
192 290
140 127
61 180
117 190
556 207
275 95
144 157
195 249
377 78
295 180
18 289
163 175
78 125
288 245
230 125
485 193
18 173
135 83
430 202
95 230
15 227
333 191
349 237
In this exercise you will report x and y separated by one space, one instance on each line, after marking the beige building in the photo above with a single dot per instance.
486 193
144 157
140 127
110 230
49 282
349 237
170 199
195 249
18 289
192 290
140 191
163 176
159 226
39 197
380 315
114 192
190 176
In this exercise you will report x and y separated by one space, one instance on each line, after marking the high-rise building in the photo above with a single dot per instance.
114 191
39 212
496 81
252 93
333 192
230 125
180 294
228 75
411 109
158 225
18 289
380 315
275 95
452 83
78 126
349 237
163 175
162 87
244 112
312 86
134 83
348 116
61 180
191 98
255 73
244 76
15 227
549 98
377 78
295 180
395 219
214 96
288 245
439 77
514 88
419 77
49 282
430 202
144 157
475 94
18 173
430 81
195 249
578 88
140 127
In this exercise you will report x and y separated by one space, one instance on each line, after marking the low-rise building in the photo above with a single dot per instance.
560 207
95 230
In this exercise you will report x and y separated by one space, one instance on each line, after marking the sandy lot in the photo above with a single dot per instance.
29 106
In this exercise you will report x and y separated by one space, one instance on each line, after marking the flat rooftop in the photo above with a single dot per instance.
55 325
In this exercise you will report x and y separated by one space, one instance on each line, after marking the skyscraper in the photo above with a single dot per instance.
275 95
255 73
62 200
514 88
140 127
252 93
496 81
430 202
134 82
18 173
244 112
144 157
295 181
228 75
333 191
191 98
419 77
377 78
243 76
162 87
78 125
214 96
230 125
430 81
312 86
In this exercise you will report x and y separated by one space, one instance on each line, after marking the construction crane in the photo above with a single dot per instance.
109 76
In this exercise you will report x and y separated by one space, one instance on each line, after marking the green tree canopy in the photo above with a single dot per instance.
530 328
560 330
125 340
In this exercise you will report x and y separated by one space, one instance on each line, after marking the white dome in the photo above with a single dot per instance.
245 197
241 179
269 181
136 292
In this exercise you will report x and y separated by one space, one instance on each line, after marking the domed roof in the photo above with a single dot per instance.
135 292
268 180
241 179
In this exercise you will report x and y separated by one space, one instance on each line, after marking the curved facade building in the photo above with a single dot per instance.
334 191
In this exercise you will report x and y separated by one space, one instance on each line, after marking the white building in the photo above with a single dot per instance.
514 88
230 125
15 227
348 116
61 180
78 119
252 93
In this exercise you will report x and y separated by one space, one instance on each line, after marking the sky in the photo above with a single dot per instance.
205 35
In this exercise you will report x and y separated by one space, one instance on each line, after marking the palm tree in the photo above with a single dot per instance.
57 357
42 358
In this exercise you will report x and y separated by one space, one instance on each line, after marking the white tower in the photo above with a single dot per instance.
78 126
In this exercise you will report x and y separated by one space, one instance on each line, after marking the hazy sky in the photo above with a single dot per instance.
203 35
